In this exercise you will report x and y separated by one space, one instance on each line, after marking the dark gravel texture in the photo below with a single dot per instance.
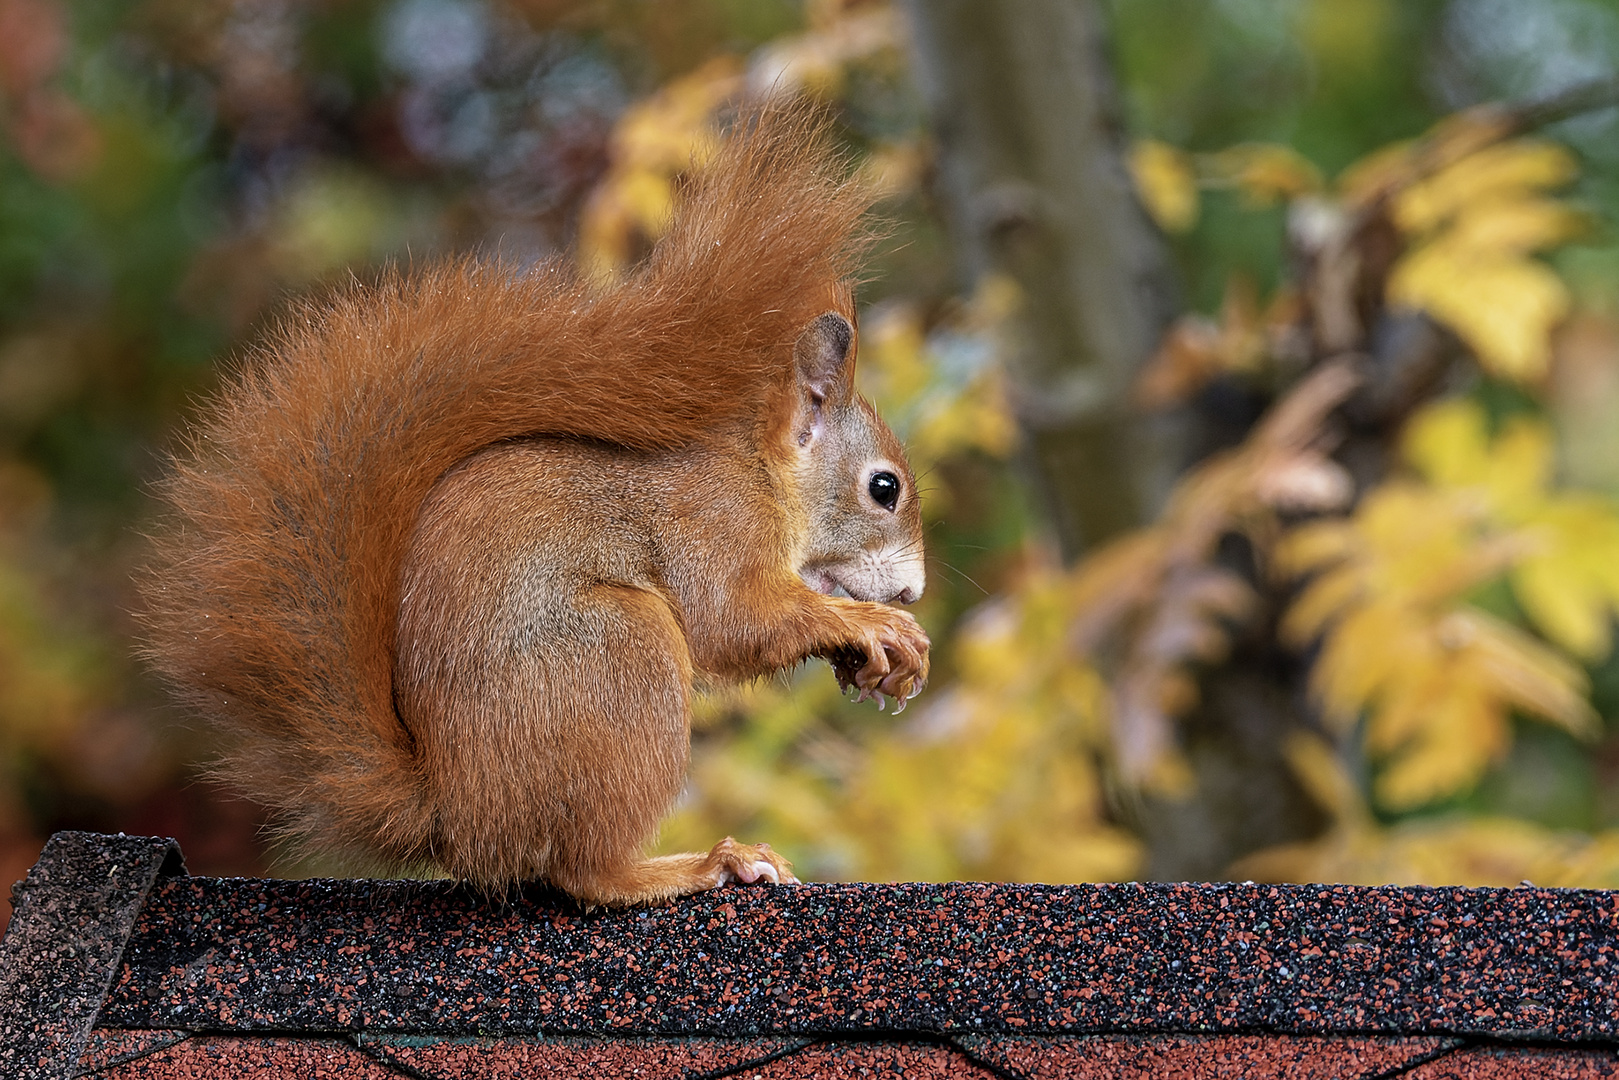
376 956
69 921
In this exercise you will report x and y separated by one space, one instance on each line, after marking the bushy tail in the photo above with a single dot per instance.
271 606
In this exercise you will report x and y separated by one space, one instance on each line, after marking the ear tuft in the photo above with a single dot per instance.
824 356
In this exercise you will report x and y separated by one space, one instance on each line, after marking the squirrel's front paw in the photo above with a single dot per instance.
748 863
889 657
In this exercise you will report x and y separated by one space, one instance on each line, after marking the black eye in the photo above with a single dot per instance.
884 488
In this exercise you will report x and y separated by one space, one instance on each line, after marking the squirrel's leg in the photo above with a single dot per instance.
642 710
560 755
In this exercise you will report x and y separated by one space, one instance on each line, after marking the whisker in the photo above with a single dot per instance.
960 573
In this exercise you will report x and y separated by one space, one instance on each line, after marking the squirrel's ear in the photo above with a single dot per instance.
824 356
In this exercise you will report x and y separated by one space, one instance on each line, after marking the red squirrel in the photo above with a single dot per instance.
448 552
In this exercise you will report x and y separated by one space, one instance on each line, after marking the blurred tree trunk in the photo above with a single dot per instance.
1034 184
1035 187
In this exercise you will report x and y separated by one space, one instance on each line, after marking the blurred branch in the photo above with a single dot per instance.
1473 129
1566 104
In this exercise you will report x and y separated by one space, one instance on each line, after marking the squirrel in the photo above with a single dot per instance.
445 556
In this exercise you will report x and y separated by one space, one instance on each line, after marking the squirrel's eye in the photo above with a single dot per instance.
884 488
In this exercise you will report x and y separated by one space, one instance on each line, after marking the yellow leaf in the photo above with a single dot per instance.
1568 580
1266 172
1517 225
1369 645
330 218
894 367
671 130
1504 308
1166 183
1420 546
1439 695
1404 710
1436 680
896 168
1520 467
1312 546
1515 167
1388 171
1319 604
943 392
1449 442
1462 733
1324 777
648 199
1581 862
1473 851
815 62
655 140
980 419
1380 171
1478 851
1508 663
1555 596
1480 217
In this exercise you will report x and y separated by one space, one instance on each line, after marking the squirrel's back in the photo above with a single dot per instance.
273 601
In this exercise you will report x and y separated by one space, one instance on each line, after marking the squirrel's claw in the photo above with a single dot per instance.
749 864
888 659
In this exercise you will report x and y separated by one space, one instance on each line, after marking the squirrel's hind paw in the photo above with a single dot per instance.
749 863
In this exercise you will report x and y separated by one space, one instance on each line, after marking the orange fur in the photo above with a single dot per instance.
363 459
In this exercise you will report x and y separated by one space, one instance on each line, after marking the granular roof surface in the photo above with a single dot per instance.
257 978
961 958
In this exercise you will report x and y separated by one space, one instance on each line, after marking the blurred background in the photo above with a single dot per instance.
1262 376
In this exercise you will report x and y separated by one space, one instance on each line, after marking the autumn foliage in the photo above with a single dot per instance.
1069 687
1414 504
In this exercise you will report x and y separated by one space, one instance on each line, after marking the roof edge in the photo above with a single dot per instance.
71 918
